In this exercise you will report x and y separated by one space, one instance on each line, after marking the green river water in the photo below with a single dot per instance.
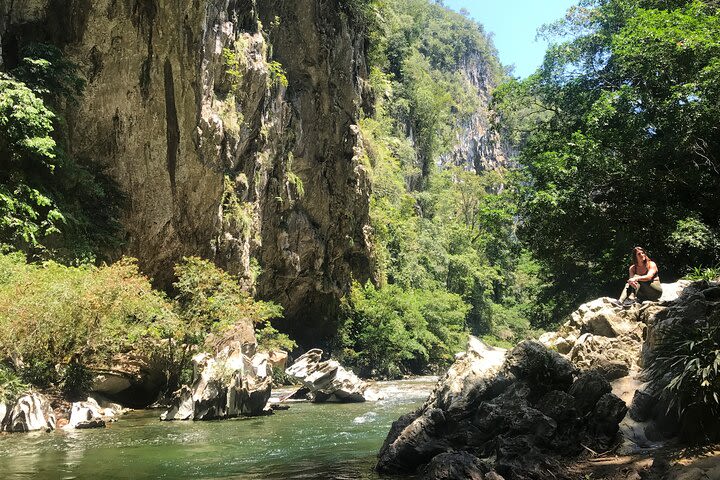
308 441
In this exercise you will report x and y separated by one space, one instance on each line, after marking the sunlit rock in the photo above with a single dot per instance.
31 412
85 415
328 381
225 386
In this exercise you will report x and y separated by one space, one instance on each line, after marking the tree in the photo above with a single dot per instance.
623 146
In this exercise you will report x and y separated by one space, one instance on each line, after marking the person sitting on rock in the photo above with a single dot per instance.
643 282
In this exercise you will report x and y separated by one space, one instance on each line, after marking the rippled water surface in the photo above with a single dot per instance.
326 441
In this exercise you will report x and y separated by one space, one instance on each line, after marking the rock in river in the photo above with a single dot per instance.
30 412
227 385
328 381
516 414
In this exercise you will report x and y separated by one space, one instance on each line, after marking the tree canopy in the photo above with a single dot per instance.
620 143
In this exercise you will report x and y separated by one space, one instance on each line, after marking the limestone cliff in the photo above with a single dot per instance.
478 146
230 125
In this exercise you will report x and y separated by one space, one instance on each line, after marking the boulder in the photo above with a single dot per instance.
30 412
3 414
85 415
277 359
108 410
227 385
516 411
453 466
328 381
182 406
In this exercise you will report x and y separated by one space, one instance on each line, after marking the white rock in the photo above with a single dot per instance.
3 413
31 412
85 415
182 408
227 385
671 291
328 381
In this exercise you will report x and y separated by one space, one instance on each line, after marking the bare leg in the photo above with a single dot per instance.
628 291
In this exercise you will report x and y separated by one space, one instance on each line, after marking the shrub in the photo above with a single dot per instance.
389 331
685 364
704 273
51 205
77 381
11 385
50 314
210 300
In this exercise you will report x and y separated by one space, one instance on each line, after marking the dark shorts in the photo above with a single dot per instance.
649 291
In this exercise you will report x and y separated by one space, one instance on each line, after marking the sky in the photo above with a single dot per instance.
514 24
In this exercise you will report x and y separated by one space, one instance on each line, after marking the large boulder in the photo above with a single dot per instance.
515 411
227 385
603 336
328 381
30 412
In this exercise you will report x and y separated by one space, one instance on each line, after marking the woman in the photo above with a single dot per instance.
644 281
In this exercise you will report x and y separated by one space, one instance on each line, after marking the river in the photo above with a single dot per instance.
308 441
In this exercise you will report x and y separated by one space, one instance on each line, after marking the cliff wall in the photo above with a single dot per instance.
230 125
478 147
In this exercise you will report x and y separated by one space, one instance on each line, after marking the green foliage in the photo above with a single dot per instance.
234 66
390 331
417 56
619 145
278 75
62 320
684 364
293 178
51 314
77 381
48 74
269 338
438 233
50 205
28 214
237 215
708 274
11 385
210 300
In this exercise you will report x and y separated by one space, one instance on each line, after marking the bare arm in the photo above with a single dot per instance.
652 270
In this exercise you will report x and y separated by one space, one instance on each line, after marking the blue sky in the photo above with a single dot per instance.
514 24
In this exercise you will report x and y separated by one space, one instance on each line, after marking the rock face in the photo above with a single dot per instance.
515 415
30 412
231 127
328 381
478 147
131 380
225 386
